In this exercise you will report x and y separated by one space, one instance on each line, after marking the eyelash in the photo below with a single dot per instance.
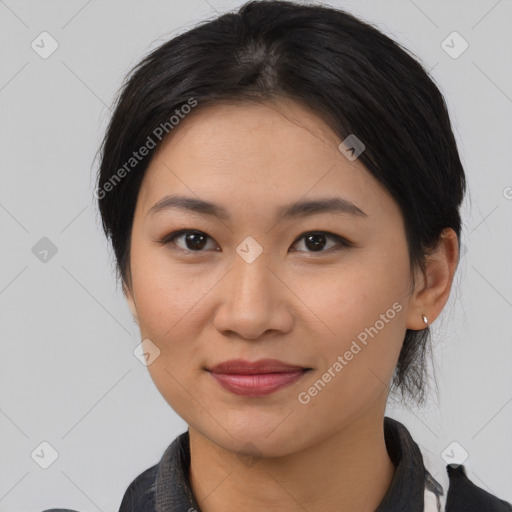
343 242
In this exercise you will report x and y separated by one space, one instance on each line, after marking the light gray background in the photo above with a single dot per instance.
68 373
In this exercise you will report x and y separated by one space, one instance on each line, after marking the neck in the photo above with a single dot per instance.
346 471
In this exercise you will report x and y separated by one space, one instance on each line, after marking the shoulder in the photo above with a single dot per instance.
139 496
464 496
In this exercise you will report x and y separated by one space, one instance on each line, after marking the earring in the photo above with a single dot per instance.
425 319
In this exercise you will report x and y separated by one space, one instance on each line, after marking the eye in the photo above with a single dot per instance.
195 241
316 240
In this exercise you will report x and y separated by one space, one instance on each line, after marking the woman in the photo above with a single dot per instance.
281 186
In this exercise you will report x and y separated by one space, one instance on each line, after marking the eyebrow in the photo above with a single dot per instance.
338 205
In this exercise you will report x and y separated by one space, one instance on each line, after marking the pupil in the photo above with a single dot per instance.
315 245
193 238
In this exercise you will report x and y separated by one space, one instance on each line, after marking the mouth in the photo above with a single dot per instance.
256 378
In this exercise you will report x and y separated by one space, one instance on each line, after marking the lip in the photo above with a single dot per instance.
243 367
257 378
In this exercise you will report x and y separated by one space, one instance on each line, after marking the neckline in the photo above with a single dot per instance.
173 492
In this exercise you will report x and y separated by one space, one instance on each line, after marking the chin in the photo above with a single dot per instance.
250 438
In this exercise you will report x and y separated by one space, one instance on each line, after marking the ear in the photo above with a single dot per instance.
130 301
432 291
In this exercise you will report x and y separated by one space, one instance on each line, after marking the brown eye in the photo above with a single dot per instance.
316 241
193 241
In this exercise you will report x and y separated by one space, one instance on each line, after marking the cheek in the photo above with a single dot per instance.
166 294
357 364
364 311
168 302
349 298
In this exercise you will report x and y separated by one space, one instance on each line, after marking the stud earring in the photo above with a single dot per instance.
425 319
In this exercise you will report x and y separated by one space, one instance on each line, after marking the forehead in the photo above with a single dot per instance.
254 154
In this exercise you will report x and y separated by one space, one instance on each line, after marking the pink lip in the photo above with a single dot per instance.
256 385
256 378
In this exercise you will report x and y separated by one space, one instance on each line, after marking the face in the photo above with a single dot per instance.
325 289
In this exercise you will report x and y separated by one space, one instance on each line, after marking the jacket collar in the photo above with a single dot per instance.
407 490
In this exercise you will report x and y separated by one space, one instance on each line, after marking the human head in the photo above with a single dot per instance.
353 77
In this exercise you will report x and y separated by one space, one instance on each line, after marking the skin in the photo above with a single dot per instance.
293 303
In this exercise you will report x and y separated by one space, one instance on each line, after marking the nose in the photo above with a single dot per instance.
254 301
